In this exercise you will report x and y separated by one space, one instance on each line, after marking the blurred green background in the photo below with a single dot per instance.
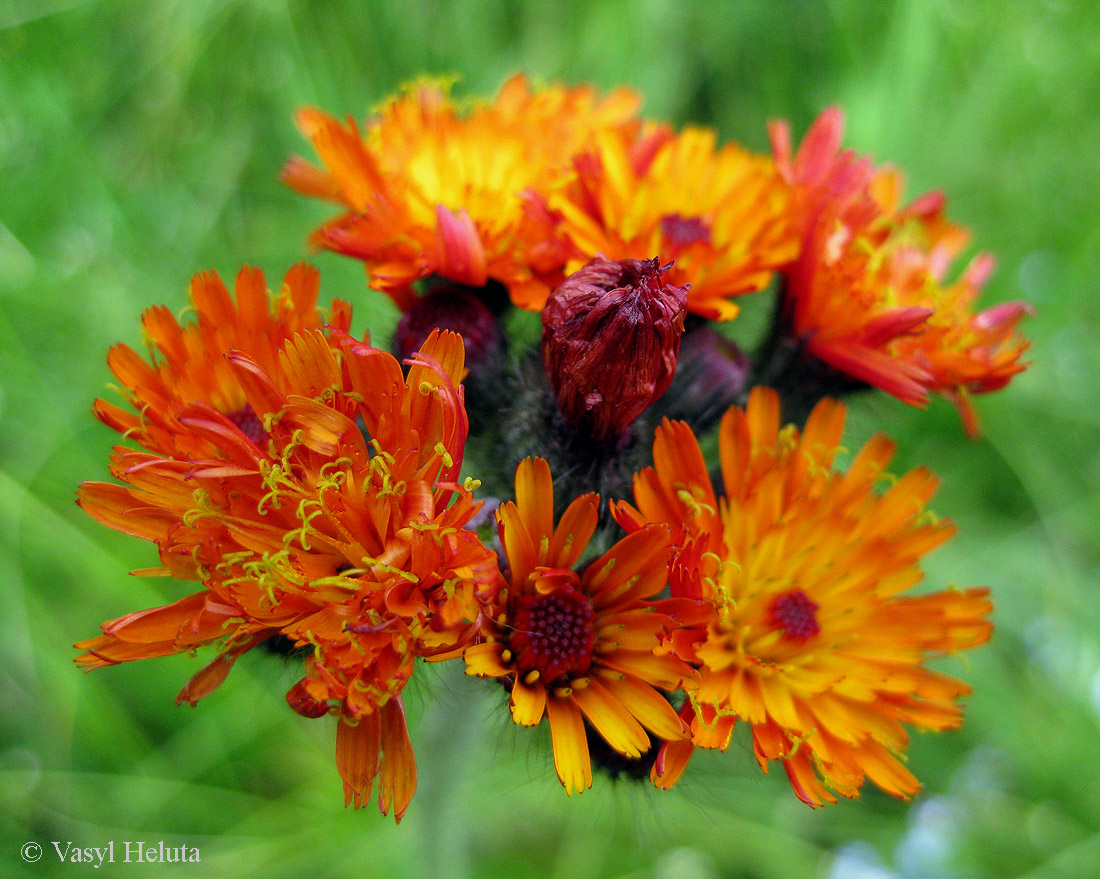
140 142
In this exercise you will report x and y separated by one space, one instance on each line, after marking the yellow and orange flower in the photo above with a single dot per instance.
579 647
431 190
722 215
869 294
188 364
353 546
815 641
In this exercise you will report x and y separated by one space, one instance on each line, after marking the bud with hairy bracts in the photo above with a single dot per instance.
610 339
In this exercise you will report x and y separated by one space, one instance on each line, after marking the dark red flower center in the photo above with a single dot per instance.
679 231
249 423
554 634
796 614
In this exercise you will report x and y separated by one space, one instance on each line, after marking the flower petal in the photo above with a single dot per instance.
528 703
571 760
358 747
574 530
611 719
484 660
398 782
535 502
671 762
646 705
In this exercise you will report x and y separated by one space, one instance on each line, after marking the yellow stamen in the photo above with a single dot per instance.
441 450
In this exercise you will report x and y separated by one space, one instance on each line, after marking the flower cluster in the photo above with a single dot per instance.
321 492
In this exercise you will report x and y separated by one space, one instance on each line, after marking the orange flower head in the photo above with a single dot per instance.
580 646
343 534
869 294
428 189
721 215
815 640
188 363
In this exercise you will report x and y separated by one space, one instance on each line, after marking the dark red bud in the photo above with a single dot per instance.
710 376
451 307
610 338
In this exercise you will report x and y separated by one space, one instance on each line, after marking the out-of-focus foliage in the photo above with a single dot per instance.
141 142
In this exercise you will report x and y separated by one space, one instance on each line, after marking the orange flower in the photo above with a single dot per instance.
868 293
815 640
188 363
428 189
352 547
721 215
580 646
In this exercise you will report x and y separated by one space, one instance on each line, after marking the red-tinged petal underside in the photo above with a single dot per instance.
222 434
437 412
904 380
442 353
674 755
671 762
214 674
460 255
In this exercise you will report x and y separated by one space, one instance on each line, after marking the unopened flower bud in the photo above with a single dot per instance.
610 338
710 377
451 307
